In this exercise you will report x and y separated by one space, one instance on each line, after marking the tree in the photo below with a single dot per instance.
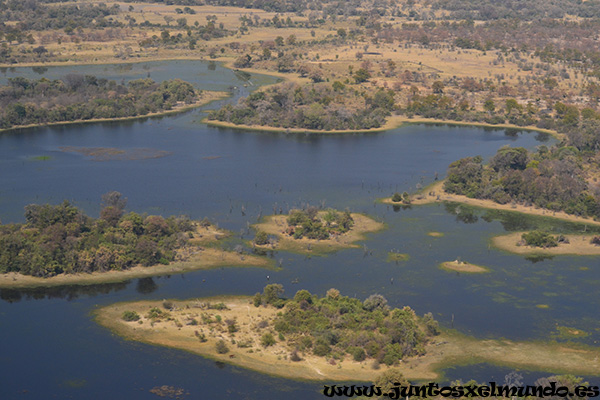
389 380
437 87
361 75
113 205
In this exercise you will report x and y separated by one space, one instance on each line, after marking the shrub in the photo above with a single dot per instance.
267 340
359 354
397 197
221 347
130 316
595 240
539 239
261 238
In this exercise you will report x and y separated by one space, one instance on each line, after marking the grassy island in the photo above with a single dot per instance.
314 231
584 245
60 245
464 267
330 338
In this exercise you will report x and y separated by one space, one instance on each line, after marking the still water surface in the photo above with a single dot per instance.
50 346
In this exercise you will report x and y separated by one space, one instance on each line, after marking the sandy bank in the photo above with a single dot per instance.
578 245
245 349
464 267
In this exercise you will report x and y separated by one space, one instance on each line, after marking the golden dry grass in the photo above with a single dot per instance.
277 224
443 351
578 245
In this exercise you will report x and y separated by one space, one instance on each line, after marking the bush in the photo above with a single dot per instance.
261 238
130 316
595 240
359 354
221 347
267 340
397 197
539 239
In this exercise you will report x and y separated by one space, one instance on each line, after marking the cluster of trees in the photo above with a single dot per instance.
61 239
320 106
549 178
37 16
79 97
506 9
539 239
336 326
308 223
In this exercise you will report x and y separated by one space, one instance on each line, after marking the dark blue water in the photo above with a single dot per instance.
51 348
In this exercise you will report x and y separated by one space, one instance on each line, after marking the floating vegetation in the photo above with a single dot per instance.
566 333
397 257
75 383
169 391
543 306
40 158
114 154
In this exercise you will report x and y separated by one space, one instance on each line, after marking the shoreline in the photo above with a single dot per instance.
214 96
434 193
578 245
393 122
208 259
448 349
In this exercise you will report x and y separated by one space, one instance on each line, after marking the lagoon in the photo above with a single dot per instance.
52 347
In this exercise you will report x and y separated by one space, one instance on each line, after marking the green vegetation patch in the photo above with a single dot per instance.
338 326
61 239
397 257
308 223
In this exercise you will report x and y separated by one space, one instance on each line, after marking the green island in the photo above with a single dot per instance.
87 98
60 245
314 231
330 338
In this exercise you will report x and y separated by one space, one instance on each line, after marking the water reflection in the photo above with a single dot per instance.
69 293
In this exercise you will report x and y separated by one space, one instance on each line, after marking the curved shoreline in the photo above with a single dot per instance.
435 193
448 349
214 96
393 122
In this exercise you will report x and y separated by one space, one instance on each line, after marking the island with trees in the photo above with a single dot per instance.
83 98
545 243
330 338
314 231
59 244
